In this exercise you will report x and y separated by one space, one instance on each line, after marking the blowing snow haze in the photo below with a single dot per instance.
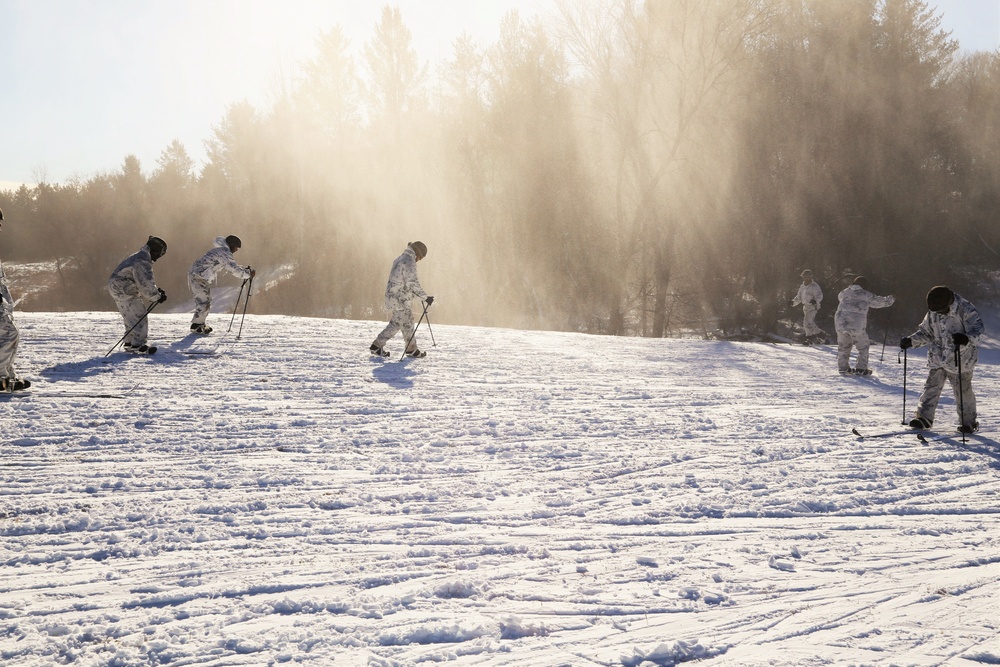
609 167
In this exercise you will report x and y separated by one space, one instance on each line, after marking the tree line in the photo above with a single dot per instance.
629 168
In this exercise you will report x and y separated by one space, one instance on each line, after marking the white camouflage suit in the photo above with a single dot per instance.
205 270
9 335
851 321
935 330
810 296
132 287
402 288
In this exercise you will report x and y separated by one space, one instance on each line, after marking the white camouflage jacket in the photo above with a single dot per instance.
134 277
217 259
852 313
5 298
807 294
936 331
403 283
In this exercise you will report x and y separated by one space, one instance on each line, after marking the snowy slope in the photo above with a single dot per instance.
516 498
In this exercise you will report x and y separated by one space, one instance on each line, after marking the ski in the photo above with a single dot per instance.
957 435
40 390
887 434
148 352
226 348
221 345
60 394
82 394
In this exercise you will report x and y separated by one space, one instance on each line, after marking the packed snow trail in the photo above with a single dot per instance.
515 498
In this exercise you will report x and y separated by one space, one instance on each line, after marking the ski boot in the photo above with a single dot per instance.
969 428
9 385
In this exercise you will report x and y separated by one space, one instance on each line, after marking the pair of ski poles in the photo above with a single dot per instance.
414 334
245 304
961 392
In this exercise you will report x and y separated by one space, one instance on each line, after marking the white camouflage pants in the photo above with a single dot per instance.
9 337
202 299
965 404
845 341
402 319
133 311
809 320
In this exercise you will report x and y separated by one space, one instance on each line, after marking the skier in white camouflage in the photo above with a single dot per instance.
809 296
132 287
951 323
204 271
403 286
9 337
851 322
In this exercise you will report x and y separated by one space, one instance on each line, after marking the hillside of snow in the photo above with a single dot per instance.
516 498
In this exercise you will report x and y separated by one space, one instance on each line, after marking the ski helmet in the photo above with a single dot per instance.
939 298
233 242
419 248
157 247
861 282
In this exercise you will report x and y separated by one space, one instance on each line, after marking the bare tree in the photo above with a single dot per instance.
659 79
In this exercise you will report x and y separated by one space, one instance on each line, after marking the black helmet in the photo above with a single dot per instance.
233 242
419 248
939 298
157 247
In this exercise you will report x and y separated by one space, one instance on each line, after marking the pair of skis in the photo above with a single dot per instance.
921 435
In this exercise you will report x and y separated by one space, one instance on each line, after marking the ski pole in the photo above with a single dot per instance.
245 304
237 306
144 315
429 330
414 334
904 386
885 336
961 397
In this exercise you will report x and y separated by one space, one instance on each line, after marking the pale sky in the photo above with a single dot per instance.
83 83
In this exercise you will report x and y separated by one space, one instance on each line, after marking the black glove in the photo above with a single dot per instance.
163 296
430 300
960 339
905 343
813 302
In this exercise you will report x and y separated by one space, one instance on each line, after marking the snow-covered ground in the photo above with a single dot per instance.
516 498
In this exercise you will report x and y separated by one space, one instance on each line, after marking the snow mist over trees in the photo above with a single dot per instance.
624 167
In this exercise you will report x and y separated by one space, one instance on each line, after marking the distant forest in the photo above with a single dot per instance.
629 168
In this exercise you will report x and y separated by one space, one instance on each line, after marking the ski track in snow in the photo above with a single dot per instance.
516 498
